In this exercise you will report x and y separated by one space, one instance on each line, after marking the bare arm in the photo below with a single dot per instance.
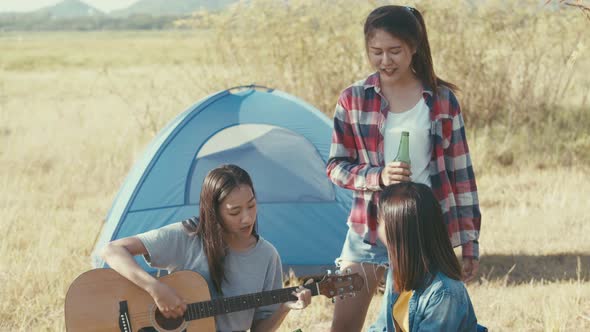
119 255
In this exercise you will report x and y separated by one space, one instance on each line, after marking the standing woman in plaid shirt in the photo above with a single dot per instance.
403 94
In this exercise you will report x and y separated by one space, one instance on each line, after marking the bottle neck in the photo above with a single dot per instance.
403 151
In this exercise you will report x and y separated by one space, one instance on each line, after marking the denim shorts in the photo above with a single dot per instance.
356 249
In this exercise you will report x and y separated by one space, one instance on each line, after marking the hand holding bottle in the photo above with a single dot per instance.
399 169
395 172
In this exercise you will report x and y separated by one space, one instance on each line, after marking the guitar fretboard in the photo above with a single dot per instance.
226 305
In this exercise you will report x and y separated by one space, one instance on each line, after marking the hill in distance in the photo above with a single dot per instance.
69 9
170 7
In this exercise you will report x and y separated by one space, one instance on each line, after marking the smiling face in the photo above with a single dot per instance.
390 56
238 212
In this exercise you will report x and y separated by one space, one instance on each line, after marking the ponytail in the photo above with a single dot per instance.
422 59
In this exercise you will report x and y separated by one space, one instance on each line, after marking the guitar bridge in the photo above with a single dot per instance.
124 321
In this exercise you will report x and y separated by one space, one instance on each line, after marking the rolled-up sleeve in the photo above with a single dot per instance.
343 168
462 178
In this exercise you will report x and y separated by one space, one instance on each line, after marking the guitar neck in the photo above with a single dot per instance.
227 305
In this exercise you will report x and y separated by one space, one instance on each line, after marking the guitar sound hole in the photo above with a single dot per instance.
168 323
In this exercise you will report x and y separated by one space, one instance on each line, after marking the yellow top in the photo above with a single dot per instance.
401 313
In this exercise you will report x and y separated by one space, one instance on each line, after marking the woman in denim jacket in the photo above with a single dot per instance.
428 294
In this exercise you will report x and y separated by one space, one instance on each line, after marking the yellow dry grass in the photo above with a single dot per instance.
76 110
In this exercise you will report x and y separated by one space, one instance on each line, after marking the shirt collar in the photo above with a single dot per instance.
373 82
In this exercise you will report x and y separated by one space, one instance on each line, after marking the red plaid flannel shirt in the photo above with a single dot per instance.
356 160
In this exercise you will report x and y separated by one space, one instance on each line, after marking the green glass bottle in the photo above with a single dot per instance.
403 151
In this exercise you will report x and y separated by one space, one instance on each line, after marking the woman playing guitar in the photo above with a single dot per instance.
222 245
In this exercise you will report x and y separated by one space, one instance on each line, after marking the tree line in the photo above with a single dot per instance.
46 22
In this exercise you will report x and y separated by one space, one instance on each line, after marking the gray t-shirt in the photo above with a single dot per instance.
256 270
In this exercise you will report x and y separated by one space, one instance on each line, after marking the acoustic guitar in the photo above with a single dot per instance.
103 300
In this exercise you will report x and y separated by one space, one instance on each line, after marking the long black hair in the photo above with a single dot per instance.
217 185
417 239
407 24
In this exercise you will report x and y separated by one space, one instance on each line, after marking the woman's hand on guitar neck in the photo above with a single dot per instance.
170 304
303 299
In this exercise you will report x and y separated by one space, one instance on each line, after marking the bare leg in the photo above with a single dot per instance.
350 313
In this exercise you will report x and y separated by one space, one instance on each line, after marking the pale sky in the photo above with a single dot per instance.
28 5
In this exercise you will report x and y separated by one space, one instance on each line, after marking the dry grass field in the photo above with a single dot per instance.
76 110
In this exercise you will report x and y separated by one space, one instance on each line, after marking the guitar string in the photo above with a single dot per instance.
149 314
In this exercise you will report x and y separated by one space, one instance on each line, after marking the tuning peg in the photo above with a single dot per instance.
353 294
333 300
329 272
348 270
338 272
342 296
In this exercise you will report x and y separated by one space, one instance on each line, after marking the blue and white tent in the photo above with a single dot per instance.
280 140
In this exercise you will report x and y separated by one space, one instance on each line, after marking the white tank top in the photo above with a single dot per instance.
416 121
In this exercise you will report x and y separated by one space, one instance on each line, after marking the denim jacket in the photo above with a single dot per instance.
443 305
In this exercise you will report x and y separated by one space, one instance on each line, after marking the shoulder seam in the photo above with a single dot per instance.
190 225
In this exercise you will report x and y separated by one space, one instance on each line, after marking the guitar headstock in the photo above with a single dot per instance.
340 284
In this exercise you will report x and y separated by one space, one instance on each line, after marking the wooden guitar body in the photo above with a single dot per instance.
103 300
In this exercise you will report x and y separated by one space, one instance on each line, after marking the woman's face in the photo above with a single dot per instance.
390 56
238 212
